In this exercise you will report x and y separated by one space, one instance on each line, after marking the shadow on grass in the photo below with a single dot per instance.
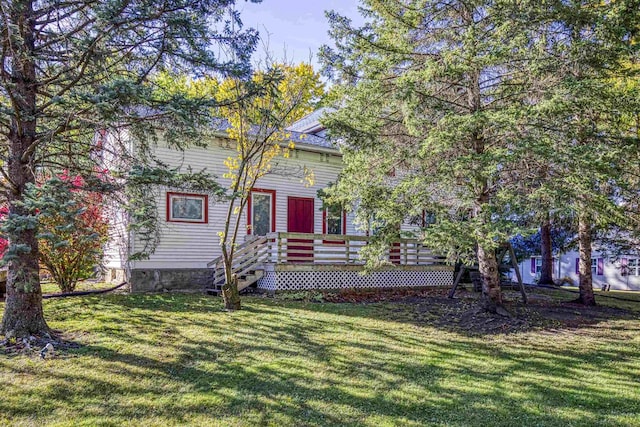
179 358
463 314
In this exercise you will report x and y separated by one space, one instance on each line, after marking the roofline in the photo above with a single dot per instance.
298 145
317 149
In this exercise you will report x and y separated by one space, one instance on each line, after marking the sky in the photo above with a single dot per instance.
295 27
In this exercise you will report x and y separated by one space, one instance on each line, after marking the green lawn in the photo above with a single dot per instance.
161 360
52 288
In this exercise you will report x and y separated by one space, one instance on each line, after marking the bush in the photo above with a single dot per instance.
72 237
72 230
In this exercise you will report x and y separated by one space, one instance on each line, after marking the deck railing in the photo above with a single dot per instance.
342 249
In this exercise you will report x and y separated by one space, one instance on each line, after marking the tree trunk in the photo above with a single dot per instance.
491 292
231 295
23 314
585 274
546 273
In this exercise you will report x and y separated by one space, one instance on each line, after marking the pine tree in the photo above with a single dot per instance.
68 69
582 117
435 91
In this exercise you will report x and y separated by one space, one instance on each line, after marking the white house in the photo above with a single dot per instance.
621 274
290 241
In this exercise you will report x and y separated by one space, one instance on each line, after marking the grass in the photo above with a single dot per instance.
52 288
626 300
163 360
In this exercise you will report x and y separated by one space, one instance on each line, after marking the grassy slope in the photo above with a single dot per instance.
177 359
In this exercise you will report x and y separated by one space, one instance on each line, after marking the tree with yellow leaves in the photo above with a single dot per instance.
258 112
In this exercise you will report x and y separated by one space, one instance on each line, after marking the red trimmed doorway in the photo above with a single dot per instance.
300 220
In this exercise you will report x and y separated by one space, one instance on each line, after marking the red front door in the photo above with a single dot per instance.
300 220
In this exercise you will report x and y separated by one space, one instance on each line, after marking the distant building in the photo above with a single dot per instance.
621 274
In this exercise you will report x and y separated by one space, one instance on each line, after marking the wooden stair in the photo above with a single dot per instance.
243 282
247 266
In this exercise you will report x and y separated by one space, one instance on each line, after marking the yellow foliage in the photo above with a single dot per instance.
168 84
258 113
309 177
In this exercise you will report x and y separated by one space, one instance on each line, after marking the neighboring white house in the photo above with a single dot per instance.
622 273
186 256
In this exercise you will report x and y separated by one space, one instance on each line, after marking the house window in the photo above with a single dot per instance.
423 220
262 212
632 267
536 265
192 208
334 220
597 266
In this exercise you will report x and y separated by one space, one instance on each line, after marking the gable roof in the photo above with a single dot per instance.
307 133
311 122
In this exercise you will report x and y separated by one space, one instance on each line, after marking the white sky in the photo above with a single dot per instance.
295 29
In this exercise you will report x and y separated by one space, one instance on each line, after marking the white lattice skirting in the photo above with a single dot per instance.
294 278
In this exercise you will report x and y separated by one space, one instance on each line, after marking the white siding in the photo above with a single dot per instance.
566 267
117 246
116 251
184 245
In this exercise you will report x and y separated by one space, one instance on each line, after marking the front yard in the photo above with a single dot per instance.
178 359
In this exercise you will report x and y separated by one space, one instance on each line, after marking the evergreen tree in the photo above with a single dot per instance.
583 117
434 93
70 68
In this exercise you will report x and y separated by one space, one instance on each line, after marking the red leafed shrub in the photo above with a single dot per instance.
72 230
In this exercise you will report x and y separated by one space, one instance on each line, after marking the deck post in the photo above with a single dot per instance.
269 248
279 240
347 244
406 254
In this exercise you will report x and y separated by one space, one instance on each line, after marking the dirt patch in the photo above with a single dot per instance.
464 313
40 347
381 295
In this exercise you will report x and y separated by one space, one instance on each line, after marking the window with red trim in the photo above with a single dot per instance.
261 212
334 221
189 208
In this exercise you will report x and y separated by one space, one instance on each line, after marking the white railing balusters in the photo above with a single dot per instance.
311 248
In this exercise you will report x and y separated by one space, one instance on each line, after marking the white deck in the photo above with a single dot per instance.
301 261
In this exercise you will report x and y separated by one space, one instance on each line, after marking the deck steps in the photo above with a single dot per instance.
243 282
247 265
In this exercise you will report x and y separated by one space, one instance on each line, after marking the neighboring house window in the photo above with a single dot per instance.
597 266
183 207
536 266
631 266
261 216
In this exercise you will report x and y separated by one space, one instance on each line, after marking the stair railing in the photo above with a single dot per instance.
246 258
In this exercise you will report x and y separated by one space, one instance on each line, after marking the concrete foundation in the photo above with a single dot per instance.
169 280
115 275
